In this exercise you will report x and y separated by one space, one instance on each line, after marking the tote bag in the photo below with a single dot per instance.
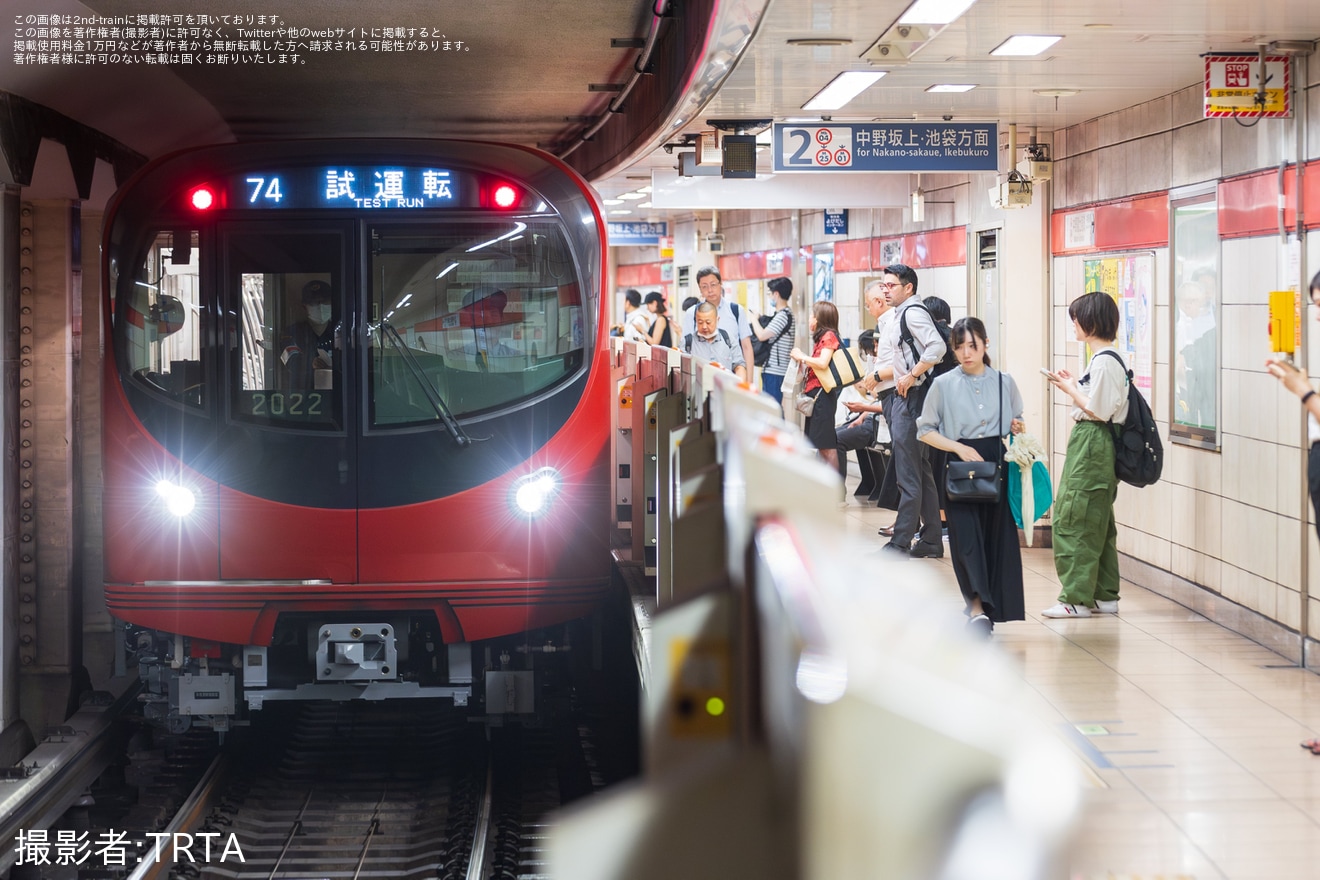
842 371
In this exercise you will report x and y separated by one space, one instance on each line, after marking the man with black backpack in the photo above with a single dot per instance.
732 318
773 336
712 343
913 345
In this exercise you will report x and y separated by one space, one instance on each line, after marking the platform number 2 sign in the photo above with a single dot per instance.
822 147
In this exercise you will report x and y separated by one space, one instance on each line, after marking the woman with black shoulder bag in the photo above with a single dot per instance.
979 406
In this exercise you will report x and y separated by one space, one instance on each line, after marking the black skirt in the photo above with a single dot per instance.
820 424
983 541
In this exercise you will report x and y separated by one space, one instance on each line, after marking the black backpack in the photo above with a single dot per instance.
687 340
1138 450
948 362
761 348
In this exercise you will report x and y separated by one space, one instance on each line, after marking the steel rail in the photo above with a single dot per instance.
371 833
189 816
59 770
293 832
477 862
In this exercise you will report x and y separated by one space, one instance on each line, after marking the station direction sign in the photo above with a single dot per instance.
836 221
887 146
1233 86
640 233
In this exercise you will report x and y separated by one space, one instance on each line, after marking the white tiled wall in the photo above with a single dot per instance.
1234 520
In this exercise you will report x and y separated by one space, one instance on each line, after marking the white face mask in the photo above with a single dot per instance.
319 314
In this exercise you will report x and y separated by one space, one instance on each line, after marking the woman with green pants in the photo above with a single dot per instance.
1084 533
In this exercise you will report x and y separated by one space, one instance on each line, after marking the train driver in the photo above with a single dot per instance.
309 346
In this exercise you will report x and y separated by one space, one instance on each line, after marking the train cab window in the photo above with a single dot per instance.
158 319
470 315
286 336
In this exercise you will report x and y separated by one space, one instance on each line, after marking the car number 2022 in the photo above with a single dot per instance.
294 403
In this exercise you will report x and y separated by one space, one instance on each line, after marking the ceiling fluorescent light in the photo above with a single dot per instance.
1025 44
934 11
949 87
843 88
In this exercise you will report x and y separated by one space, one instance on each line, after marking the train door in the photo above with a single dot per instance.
288 419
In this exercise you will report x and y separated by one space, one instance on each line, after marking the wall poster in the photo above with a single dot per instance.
1130 280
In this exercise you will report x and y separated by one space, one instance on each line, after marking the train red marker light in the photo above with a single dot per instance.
202 198
505 196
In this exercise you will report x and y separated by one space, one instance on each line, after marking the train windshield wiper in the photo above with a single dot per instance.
428 387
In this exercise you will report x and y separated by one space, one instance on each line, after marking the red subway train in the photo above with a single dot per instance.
355 418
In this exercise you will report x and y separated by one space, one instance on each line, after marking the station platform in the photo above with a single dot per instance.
1189 732
864 732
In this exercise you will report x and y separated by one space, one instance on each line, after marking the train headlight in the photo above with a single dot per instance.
179 500
533 492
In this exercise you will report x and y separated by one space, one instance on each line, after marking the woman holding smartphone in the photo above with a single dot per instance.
1084 532
1297 382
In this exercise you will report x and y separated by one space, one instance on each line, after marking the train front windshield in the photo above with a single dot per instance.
472 315
470 318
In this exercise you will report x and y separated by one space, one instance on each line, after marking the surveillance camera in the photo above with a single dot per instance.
948 117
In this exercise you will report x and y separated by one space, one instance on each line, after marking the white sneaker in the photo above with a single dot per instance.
1102 607
1063 610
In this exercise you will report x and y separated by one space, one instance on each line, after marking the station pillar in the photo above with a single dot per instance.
46 595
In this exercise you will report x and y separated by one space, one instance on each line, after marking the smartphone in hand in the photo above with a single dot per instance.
1047 374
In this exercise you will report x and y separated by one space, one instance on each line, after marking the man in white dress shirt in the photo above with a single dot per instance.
918 503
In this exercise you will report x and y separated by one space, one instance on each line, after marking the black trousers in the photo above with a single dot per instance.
857 434
983 542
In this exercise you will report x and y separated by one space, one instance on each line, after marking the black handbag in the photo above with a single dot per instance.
974 482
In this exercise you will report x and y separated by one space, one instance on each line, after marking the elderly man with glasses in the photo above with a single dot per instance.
732 319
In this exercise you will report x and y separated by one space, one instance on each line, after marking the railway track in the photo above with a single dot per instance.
310 790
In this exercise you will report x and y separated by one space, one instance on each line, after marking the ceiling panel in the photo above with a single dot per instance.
525 78
1113 54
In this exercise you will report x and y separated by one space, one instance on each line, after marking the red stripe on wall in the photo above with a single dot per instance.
1311 194
1135 223
754 264
921 250
1123 225
939 247
638 275
853 256
1250 205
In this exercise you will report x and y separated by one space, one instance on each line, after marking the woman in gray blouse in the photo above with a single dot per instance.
979 406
